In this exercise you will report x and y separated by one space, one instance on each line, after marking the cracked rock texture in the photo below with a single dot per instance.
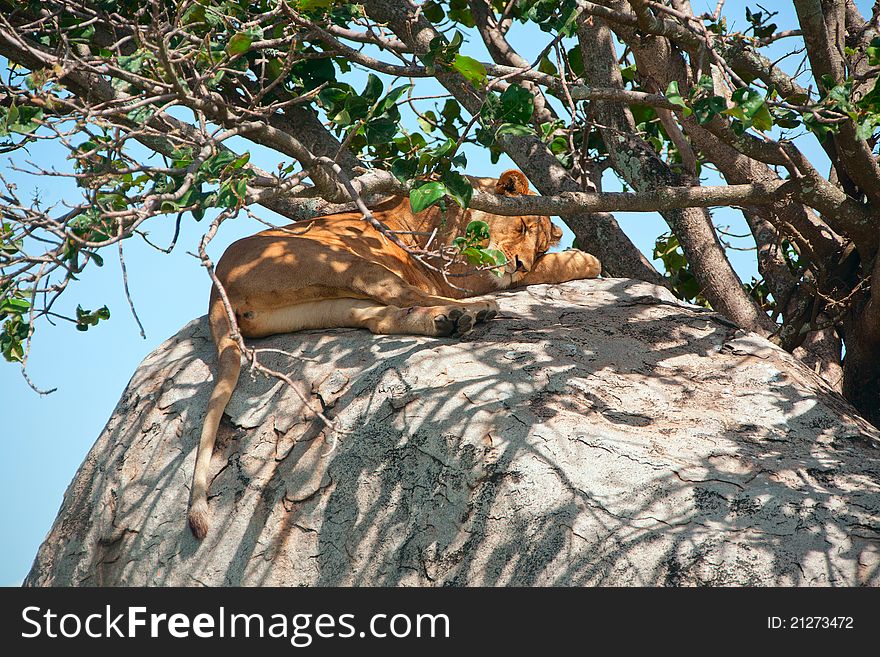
596 433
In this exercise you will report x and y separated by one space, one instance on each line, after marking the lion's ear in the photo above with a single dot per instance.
512 183
555 234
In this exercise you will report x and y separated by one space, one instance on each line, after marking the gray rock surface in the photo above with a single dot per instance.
597 433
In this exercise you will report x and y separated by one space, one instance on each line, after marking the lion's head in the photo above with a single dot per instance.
521 239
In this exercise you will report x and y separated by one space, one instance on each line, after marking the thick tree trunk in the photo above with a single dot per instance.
861 367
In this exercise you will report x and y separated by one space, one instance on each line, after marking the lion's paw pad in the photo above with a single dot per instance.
463 325
444 325
456 322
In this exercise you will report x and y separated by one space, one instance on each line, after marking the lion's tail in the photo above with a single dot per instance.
228 369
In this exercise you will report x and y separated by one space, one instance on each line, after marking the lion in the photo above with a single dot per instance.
339 271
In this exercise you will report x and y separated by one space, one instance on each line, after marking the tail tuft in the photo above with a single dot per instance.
198 519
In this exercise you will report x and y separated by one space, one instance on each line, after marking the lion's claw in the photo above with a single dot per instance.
486 315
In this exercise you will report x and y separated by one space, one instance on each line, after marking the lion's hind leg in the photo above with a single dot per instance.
453 317
445 320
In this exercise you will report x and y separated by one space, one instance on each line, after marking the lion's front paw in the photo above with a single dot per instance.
580 264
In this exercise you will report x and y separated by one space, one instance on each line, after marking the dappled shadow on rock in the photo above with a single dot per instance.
596 433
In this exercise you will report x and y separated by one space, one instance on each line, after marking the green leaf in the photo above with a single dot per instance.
706 83
404 169
357 107
14 305
330 97
575 60
274 68
748 100
873 51
373 90
443 149
212 167
705 109
549 127
477 231
342 118
380 131
548 67
426 195
393 96
559 145
427 121
865 129
27 120
497 258
762 120
239 44
461 15
485 136
839 96
458 187
473 255
87 318
241 189
470 68
433 11
819 128
408 143
194 14
133 63
513 129
240 161
451 110
313 72
786 119
517 105
457 40
674 97
628 73
311 5
751 108
14 332
436 48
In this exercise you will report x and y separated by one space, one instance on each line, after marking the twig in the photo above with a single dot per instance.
128 294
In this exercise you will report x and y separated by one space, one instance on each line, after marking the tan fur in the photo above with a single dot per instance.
338 271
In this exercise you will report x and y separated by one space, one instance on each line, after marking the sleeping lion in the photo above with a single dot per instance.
338 271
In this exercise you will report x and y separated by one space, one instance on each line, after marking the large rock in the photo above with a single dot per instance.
598 432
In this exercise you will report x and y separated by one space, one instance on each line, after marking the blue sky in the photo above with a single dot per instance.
49 436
